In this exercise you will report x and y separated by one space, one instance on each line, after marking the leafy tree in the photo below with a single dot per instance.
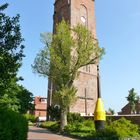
65 52
17 98
25 98
138 99
132 99
65 97
9 98
111 111
54 112
11 54
11 50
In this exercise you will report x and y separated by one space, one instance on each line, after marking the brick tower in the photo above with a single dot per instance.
79 11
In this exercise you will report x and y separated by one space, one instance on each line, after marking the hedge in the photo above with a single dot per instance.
13 126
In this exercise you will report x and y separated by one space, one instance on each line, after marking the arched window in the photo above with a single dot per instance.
83 15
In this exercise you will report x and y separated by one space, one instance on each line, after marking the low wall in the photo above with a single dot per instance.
133 118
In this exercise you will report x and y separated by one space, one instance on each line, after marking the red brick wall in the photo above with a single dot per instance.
40 113
40 107
87 79
76 16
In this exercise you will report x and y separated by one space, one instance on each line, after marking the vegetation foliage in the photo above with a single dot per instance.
65 52
133 98
30 117
111 111
25 98
74 118
51 125
12 95
13 126
119 129
54 112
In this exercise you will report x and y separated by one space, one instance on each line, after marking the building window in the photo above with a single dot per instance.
43 100
83 19
83 15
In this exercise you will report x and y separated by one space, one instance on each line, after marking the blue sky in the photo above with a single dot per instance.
118 31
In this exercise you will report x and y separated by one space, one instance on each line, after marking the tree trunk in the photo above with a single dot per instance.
63 119
133 108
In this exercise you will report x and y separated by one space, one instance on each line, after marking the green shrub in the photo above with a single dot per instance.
124 128
117 130
74 118
55 127
78 127
105 134
109 120
30 117
85 126
73 127
47 124
13 126
30 123
80 130
89 123
69 128
51 125
54 112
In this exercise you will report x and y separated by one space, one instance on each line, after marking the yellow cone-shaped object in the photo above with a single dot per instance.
99 113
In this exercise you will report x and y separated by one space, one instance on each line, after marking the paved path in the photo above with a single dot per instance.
36 133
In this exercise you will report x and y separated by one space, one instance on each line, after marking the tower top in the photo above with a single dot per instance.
74 12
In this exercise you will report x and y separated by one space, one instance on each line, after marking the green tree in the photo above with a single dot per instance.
65 97
138 99
64 53
54 112
11 54
9 98
25 98
132 99
111 111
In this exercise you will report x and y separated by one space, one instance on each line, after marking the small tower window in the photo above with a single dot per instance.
83 19
83 15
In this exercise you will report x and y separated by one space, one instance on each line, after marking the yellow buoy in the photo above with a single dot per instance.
99 115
